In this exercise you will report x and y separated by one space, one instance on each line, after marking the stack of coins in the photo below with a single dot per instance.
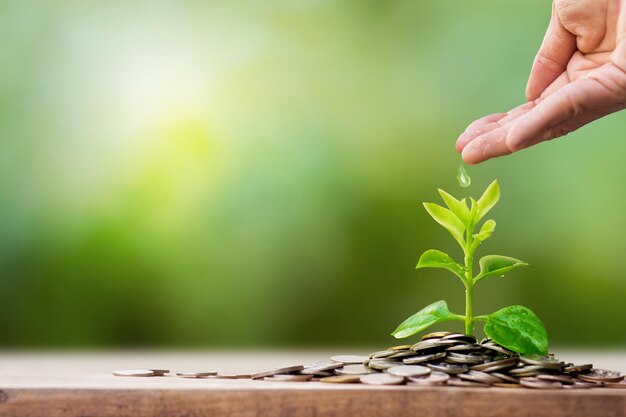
439 359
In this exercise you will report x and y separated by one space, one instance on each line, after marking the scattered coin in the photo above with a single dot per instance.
354 370
195 374
506 385
285 370
539 384
621 384
381 379
563 379
134 372
382 354
414 360
409 370
575 369
226 375
342 379
434 378
321 367
349 359
458 382
448 368
477 376
601 375
289 378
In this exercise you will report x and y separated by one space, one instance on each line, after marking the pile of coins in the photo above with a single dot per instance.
439 359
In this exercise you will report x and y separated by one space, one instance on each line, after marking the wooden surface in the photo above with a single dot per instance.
80 384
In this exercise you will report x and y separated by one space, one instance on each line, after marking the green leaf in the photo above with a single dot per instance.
486 231
489 199
447 219
426 317
436 259
459 208
497 265
519 329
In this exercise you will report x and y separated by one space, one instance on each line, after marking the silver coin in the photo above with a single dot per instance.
284 370
526 369
381 379
539 384
435 335
341 379
563 379
134 372
434 378
505 377
470 358
496 365
470 347
354 370
601 375
450 369
460 336
575 369
498 349
349 359
409 371
458 382
432 345
320 367
414 360
542 361
477 376
195 374
581 385
621 384
382 354
226 375
382 364
289 378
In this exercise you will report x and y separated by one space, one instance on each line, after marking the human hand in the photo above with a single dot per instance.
579 75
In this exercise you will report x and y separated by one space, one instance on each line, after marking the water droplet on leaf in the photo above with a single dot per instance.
462 177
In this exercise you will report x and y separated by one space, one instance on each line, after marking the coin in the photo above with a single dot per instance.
470 358
496 365
354 370
470 347
542 361
424 358
382 364
381 379
621 384
601 375
563 379
457 382
289 378
448 368
195 374
435 335
430 345
226 375
434 378
477 376
382 354
539 384
320 367
409 370
134 372
498 349
401 347
160 372
341 379
506 385
505 377
460 336
575 369
284 370
349 359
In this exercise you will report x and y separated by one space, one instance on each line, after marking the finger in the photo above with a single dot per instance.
555 51
488 145
561 81
575 99
488 123
477 128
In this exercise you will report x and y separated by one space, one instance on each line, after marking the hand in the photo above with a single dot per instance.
579 75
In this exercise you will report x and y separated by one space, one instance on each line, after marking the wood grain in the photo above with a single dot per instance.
81 385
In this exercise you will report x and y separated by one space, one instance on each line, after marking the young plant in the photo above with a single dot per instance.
515 327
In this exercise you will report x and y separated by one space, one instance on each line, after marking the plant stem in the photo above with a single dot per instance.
469 284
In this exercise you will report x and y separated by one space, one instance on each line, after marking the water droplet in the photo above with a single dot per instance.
462 177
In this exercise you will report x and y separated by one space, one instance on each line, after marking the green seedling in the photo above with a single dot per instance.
515 327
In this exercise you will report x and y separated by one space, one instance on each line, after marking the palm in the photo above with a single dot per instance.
578 76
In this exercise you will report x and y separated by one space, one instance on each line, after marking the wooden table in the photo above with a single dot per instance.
81 384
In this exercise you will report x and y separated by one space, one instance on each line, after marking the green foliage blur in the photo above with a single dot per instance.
244 173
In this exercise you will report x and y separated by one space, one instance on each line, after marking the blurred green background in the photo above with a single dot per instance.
247 173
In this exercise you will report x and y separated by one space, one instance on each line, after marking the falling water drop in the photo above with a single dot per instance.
463 178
